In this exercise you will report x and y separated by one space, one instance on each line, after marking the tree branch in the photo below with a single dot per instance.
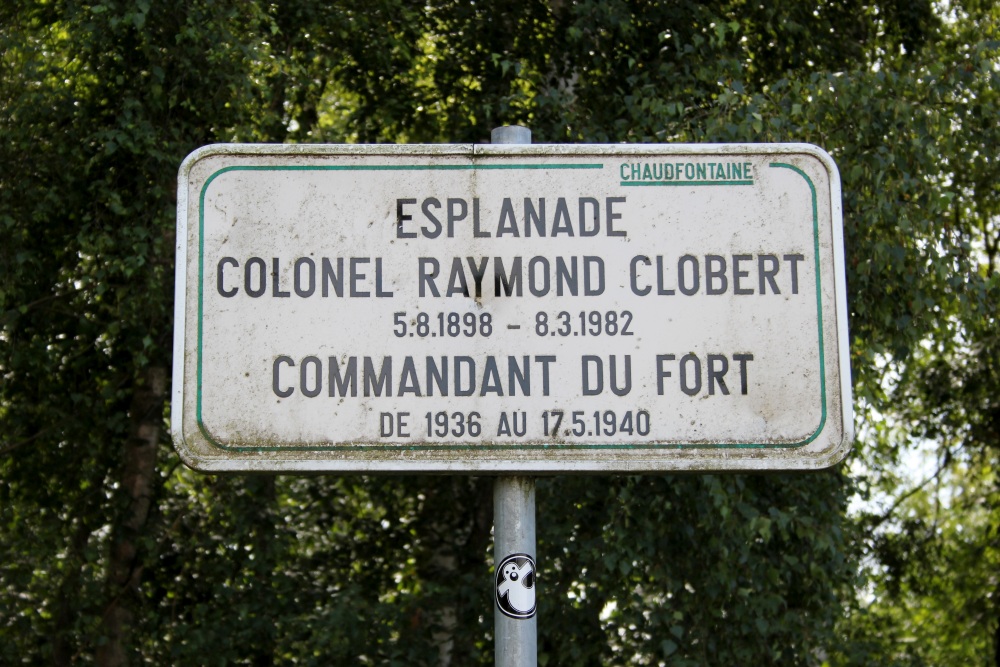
912 492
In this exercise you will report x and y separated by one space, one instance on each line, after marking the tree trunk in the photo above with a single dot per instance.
458 540
125 566
996 645
62 646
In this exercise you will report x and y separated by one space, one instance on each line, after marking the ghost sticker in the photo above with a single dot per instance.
515 586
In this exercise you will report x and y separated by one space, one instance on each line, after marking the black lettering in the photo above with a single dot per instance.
660 273
545 360
590 389
491 378
690 390
310 273
428 269
610 215
737 274
767 274
508 221
627 387
595 208
457 283
477 273
275 276
561 222
402 217
470 364
717 375
634 275
534 218
339 382
381 382
248 275
743 359
660 373
519 374
504 284
532 273
476 231
397 424
695 275
435 229
503 428
566 276
589 288
222 290
357 276
304 377
331 277
275 372
408 382
712 274
458 209
379 292
794 260
437 375
386 424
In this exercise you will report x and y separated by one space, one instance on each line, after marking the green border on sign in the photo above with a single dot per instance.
466 447
636 184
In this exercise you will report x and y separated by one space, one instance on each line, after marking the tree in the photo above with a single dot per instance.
113 552
98 101
932 544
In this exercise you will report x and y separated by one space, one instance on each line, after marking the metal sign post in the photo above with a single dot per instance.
515 623
512 309
514 579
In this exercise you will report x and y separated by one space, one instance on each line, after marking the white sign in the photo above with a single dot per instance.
500 308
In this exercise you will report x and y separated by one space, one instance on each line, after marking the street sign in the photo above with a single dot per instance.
498 308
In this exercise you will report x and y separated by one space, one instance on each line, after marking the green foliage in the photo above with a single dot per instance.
740 576
933 609
100 101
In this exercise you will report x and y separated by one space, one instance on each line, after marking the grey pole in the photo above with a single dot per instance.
510 134
515 623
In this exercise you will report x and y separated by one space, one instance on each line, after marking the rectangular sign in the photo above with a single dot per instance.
498 308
